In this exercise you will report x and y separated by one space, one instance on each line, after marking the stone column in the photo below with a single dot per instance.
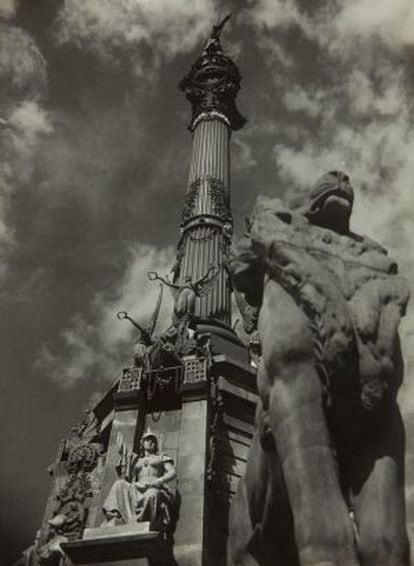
211 87
207 220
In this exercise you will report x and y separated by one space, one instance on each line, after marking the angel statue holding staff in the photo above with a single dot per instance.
146 332
185 293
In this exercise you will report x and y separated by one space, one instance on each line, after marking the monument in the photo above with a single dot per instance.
148 476
187 460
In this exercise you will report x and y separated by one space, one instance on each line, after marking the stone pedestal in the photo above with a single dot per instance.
191 473
116 545
206 432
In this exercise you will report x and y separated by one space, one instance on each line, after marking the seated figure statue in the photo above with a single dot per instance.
143 495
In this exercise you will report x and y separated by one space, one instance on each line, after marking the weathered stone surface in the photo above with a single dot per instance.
191 469
329 436
346 284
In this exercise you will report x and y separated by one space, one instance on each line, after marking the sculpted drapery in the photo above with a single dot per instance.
143 494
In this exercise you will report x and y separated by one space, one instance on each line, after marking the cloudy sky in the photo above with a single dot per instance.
94 158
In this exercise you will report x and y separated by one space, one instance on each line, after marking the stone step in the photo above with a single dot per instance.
117 530
114 547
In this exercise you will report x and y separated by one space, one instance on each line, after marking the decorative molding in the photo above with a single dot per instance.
83 458
72 504
211 115
195 369
131 380
205 221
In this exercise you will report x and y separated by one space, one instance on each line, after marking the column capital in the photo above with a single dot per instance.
212 85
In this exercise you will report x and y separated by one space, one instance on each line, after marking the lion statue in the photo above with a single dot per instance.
324 481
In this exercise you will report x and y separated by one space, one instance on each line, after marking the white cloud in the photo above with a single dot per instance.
99 348
23 121
20 135
300 100
344 25
109 28
22 67
282 14
243 153
384 97
27 123
8 8
393 22
28 120
136 294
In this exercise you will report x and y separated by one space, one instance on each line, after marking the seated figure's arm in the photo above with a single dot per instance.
168 475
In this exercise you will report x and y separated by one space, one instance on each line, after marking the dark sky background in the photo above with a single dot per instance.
94 159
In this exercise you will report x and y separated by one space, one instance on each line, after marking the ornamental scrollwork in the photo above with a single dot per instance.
83 457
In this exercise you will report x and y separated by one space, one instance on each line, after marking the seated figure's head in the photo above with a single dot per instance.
328 203
149 443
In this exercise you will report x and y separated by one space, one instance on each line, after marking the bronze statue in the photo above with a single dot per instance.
218 28
214 39
185 293
324 482
146 333
143 495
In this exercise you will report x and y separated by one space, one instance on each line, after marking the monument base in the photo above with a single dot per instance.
116 543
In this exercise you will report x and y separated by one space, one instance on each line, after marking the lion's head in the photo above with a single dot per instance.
328 203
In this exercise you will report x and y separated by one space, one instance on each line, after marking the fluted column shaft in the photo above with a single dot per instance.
211 87
207 216
210 152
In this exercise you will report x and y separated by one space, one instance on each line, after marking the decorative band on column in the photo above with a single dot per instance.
207 196
210 115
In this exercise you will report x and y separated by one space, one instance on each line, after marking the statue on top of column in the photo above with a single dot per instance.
214 39
213 82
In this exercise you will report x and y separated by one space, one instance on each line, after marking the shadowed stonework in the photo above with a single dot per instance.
324 483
